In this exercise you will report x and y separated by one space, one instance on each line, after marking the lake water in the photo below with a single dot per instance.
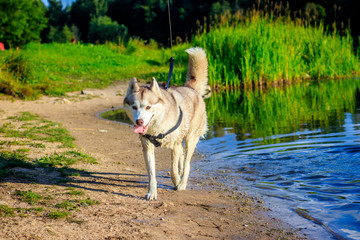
298 147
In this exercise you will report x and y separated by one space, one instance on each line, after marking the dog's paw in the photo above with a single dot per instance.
181 187
151 195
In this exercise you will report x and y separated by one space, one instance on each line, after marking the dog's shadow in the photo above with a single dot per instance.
20 171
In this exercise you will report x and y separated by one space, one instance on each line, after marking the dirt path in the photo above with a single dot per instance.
118 182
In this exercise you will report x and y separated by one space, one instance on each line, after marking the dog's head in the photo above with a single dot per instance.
143 104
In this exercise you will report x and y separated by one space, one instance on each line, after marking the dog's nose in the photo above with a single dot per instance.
139 122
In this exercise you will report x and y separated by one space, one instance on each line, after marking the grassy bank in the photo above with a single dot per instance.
54 69
36 151
261 49
249 50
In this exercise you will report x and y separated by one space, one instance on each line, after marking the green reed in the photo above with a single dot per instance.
259 48
259 114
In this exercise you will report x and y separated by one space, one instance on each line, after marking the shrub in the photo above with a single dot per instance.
103 29
63 36
17 65
23 21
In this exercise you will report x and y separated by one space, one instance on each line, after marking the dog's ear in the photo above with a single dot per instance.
154 87
133 86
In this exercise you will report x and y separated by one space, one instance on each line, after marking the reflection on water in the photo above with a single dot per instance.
299 145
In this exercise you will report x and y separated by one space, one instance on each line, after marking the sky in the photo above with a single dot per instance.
64 2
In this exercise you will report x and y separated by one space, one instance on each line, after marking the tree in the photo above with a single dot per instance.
315 12
63 36
219 8
21 21
80 15
57 16
103 29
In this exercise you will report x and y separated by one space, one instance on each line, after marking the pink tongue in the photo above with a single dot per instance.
140 129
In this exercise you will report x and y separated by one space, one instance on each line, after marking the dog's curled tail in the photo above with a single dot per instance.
197 72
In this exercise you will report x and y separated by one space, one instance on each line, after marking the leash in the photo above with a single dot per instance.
153 139
171 60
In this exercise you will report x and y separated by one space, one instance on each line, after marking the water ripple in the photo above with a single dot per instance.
313 170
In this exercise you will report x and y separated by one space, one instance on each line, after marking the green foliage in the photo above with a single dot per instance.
58 30
37 129
27 126
36 209
63 36
15 72
25 117
81 13
66 35
315 12
243 50
103 29
68 205
219 8
101 7
10 160
262 49
6 211
28 196
17 65
37 145
62 68
23 150
65 159
57 214
76 192
21 21
88 202
56 14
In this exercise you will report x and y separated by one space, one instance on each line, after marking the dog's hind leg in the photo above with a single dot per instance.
190 141
177 156
148 150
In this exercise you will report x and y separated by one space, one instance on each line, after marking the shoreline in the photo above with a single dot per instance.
119 183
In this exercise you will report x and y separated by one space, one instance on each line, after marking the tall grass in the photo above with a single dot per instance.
259 48
253 49
14 75
54 69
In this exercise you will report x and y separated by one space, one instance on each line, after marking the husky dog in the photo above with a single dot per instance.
166 117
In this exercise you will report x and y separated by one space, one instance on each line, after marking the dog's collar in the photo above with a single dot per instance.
153 139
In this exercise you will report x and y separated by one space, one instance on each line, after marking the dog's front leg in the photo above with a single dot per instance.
148 150
177 156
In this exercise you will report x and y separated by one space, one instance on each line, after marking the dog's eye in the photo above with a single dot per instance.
135 107
148 107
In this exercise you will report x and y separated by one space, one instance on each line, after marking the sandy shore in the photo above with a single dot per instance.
119 182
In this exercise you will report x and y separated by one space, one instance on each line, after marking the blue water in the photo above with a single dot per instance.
310 177
296 147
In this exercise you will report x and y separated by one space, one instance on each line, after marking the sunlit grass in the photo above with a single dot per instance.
65 159
28 196
244 50
57 214
258 49
54 69
6 211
